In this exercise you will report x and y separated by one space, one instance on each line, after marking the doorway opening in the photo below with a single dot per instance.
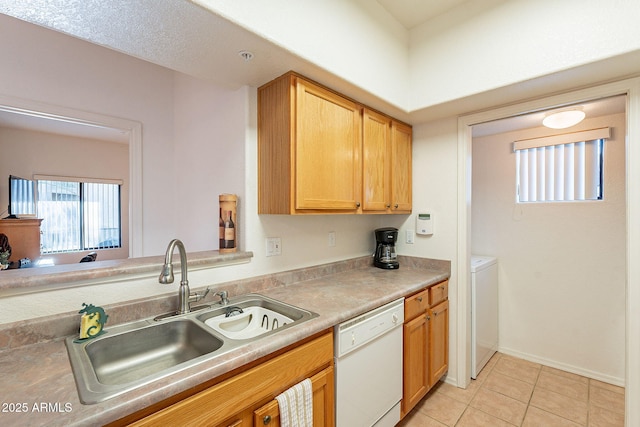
631 88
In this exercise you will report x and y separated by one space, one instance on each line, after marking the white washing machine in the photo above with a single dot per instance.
484 311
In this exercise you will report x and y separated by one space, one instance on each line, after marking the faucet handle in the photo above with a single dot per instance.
197 296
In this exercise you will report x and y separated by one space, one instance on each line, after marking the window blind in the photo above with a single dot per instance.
561 168
78 214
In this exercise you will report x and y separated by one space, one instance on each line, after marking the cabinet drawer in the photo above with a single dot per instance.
416 304
438 292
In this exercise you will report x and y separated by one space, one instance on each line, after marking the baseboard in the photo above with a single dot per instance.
565 367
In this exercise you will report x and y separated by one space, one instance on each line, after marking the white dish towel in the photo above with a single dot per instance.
296 405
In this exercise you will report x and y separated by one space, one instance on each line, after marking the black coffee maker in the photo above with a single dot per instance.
385 255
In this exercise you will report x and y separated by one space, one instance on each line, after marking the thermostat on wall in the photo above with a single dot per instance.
424 223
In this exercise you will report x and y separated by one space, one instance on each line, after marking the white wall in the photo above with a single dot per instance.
199 140
208 158
434 190
51 68
464 52
51 154
473 48
561 265
356 40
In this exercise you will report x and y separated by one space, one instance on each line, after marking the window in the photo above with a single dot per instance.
21 197
561 168
78 214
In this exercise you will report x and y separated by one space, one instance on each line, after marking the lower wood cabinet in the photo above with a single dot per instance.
248 398
426 342
323 408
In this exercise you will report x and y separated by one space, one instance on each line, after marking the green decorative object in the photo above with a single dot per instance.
92 322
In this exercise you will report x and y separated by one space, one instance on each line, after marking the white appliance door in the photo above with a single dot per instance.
484 319
369 381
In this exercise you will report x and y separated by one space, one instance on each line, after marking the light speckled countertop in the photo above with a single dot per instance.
37 378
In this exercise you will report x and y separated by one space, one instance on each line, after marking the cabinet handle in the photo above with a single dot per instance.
419 299
357 204
388 205
396 206
266 420
428 317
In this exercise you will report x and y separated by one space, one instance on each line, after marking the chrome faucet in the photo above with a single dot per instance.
166 276
224 297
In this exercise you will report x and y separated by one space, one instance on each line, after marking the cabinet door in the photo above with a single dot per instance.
401 173
24 237
323 404
327 150
416 361
376 146
439 345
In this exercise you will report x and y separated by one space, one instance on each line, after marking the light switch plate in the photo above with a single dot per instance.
410 236
332 239
274 246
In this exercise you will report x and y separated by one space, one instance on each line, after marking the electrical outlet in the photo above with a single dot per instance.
332 239
274 246
410 236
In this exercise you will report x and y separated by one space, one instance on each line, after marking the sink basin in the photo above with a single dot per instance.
253 316
128 357
250 323
133 354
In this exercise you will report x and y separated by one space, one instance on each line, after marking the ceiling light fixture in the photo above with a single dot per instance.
246 55
563 119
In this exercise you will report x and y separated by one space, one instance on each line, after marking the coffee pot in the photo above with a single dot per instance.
385 255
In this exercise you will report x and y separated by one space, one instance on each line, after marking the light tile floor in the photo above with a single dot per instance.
514 392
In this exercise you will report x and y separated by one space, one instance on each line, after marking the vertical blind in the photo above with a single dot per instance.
79 215
22 200
561 168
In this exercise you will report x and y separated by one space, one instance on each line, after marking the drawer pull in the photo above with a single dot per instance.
419 299
266 420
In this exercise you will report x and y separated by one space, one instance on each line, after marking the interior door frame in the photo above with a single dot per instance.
630 87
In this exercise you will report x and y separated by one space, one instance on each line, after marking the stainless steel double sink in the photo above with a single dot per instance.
131 355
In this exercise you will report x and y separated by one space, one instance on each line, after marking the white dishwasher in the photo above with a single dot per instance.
368 365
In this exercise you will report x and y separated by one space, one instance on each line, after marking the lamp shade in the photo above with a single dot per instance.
563 119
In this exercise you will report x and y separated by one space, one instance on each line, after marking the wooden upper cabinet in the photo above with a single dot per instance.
328 140
321 152
376 164
309 142
401 172
386 164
